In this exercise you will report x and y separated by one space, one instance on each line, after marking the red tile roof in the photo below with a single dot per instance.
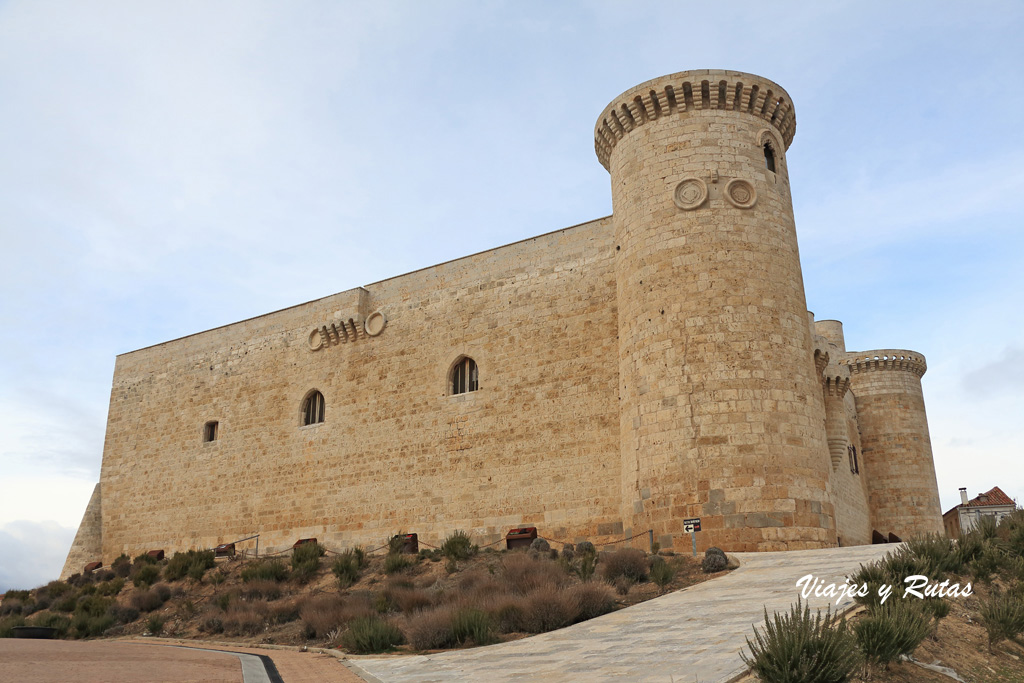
993 497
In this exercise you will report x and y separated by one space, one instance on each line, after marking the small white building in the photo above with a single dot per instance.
964 517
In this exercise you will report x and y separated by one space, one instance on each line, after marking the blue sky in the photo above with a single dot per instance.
171 167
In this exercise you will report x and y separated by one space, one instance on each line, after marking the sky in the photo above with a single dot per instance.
169 167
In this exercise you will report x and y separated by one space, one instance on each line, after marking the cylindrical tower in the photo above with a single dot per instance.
903 494
719 419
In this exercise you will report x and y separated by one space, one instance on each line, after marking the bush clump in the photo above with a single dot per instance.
458 546
149 600
112 587
192 563
9 623
888 631
146 575
325 613
628 562
155 624
265 570
52 620
396 562
472 625
662 573
306 561
1003 617
346 566
795 646
368 635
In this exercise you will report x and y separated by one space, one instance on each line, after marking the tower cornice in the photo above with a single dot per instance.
688 91
885 360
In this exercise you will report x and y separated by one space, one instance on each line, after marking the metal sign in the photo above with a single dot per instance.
691 525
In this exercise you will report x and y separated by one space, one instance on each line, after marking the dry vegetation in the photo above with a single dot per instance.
434 600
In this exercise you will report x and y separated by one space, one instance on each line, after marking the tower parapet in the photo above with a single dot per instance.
903 493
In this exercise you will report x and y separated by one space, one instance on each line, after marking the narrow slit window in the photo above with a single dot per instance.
313 409
854 465
769 157
210 431
465 377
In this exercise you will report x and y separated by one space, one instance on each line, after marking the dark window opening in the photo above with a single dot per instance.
854 466
769 157
210 431
313 409
465 377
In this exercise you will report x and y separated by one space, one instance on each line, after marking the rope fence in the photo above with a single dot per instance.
255 553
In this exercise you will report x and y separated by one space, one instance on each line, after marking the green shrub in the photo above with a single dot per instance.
346 567
146 575
155 624
938 608
66 603
8 623
86 626
266 570
986 527
55 589
986 563
223 600
23 596
112 587
662 573
367 635
122 614
935 552
888 631
122 566
628 562
874 576
795 647
396 562
143 559
1003 617
192 563
306 561
93 606
458 546
968 547
470 624
52 620
587 565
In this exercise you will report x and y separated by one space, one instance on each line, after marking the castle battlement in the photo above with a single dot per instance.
886 359
689 91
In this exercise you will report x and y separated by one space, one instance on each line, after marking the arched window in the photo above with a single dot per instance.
313 409
465 377
769 157
210 431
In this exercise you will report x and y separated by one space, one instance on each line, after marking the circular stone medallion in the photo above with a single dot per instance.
316 342
690 193
375 323
740 193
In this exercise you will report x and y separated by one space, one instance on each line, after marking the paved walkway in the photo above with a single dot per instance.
690 636
98 661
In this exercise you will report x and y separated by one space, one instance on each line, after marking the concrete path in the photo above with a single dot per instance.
691 636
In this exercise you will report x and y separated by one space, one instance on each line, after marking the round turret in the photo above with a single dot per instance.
903 493
720 408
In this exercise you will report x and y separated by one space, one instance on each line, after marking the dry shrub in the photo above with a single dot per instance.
548 608
323 613
212 621
147 600
246 618
525 574
628 562
408 600
284 611
507 610
260 589
594 599
431 630
471 578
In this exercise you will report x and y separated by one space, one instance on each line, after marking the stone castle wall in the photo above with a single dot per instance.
396 452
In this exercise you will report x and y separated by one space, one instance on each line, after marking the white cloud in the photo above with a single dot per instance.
32 553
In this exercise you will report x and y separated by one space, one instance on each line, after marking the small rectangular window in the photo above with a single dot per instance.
210 432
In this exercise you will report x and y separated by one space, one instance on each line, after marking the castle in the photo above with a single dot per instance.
598 381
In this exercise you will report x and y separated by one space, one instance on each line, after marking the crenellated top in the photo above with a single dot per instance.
885 359
688 91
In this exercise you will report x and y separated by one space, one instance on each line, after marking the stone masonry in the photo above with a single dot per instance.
640 369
